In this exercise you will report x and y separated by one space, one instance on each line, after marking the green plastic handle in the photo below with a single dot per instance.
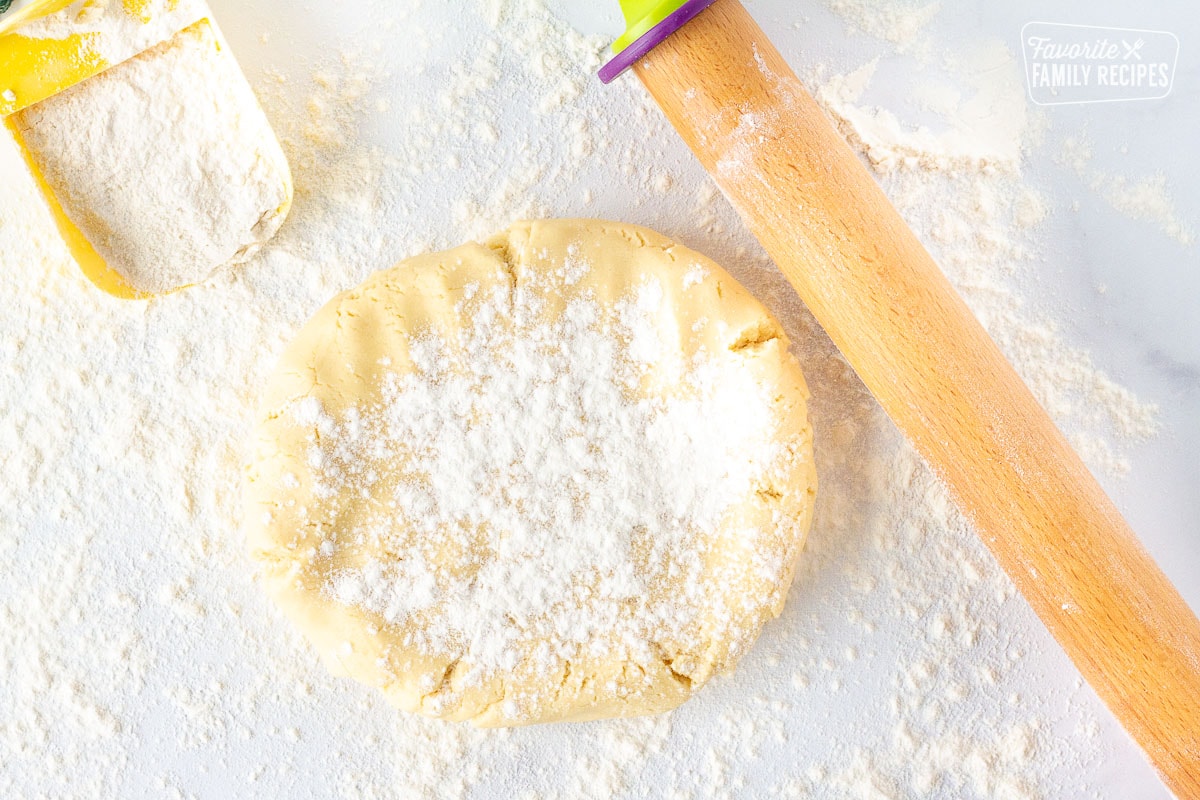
641 16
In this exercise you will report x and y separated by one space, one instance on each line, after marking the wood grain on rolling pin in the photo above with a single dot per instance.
918 348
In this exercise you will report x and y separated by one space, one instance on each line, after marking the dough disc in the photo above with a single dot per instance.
561 475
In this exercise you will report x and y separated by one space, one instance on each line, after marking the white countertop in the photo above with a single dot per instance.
1121 288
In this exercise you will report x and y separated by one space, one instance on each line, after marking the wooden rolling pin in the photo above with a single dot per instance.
915 344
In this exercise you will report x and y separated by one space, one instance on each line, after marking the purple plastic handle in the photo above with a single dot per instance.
651 39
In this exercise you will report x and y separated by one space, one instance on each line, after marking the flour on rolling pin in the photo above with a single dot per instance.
149 144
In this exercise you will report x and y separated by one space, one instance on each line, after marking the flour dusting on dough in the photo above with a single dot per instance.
545 502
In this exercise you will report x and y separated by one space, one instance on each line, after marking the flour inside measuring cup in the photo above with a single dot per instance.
165 163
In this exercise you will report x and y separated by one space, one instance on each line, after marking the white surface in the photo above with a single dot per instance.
1141 330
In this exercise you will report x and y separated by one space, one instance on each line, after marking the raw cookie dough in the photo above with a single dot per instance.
166 163
561 475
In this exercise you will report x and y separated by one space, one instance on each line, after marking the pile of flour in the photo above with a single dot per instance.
140 659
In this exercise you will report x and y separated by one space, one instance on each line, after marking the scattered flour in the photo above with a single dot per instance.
984 131
1146 199
902 23
129 623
